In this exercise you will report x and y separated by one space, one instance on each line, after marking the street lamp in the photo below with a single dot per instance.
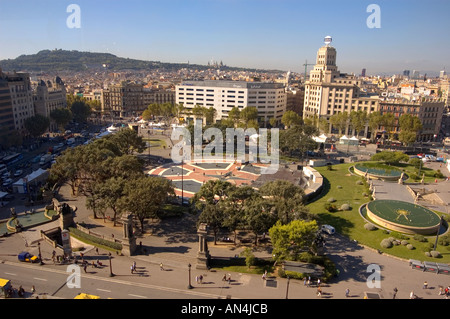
182 186
287 287
110 266
40 256
190 286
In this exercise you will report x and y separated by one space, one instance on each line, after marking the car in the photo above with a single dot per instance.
18 173
7 182
27 257
328 229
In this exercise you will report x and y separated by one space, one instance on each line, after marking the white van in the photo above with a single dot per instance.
328 229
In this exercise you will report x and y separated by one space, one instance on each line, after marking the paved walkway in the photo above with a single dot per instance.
176 245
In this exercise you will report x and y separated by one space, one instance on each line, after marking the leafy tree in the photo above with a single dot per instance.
259 216
249 113
287 200
210 201
62 117
298 139
390 157
409 128
290 240
324 126
234 206
340 121
128 141
145 195
375 119
291 118
358 119
234 116
388 122
166 111
37 125
80 111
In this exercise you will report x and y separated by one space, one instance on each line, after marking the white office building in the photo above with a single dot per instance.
269 98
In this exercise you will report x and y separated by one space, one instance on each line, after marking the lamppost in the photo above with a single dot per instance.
182 186
441 221
111 274
190 286
40 256
287 287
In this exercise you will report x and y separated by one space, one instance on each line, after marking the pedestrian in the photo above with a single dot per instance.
201 279
134 266
319 292
395 292
347 292
161 266
304 281
196 279
224 278
411 295
84 267
229 279
96 250
131 268
441 291
425 285
33 289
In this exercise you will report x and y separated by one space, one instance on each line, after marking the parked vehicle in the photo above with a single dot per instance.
328 229
18 173
5 288
45 159
27 257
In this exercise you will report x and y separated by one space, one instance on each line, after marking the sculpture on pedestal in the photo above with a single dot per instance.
129 240
203 252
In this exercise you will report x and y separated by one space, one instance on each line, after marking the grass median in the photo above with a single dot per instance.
341 187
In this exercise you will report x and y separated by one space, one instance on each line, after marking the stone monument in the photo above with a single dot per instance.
129 240
203 252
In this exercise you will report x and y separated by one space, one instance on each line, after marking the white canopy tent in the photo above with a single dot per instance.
40 175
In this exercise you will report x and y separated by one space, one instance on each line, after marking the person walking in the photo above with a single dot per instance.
161 267
319 291
347 292
395 292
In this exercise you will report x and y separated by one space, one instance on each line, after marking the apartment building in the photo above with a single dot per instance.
328 91
131 99
123 100
269 98
21 98
6 110
429 110
48 96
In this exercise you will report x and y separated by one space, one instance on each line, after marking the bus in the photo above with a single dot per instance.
12 159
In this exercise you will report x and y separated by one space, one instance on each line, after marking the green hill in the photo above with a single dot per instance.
64 60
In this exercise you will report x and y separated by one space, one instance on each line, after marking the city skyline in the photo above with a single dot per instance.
253 34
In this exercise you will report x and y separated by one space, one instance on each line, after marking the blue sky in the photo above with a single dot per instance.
279 34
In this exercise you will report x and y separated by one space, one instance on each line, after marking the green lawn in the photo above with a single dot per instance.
155 142
345 189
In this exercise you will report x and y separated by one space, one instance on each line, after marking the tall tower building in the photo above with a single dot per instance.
329 91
